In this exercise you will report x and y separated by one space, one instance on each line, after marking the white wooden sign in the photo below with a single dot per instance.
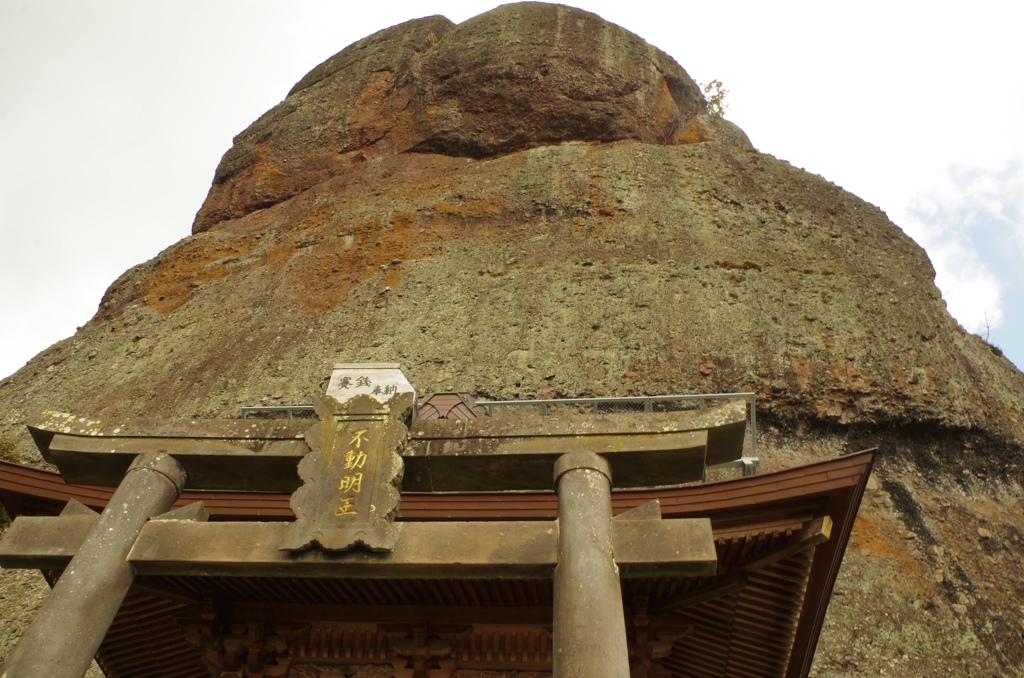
382 381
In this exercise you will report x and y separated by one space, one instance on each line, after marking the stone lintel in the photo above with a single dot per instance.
521 550
457 465
440 456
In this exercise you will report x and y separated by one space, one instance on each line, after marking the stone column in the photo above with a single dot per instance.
589 624
73 621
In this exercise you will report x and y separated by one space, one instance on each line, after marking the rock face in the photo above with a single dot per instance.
534 203
515 78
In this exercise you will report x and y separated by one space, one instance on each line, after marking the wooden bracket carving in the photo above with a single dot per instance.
733 580
652 639
423 650
251 649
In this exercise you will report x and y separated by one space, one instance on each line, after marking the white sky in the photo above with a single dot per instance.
114 114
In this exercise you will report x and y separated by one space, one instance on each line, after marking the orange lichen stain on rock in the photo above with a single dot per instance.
264 175
666 112
898 377
800 369
392 276
187 266
488 206
394 244
320 277
831 407
384 117
322 255
372 118
581 227
259 180
867 538
847 377
602 208
374 93
275 259
692 133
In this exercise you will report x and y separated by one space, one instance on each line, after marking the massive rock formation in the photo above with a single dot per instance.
536 203
533 76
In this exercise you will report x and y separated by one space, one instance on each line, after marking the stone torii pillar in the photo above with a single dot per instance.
73 621
589 635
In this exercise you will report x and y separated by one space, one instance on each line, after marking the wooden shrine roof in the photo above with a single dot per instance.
759 616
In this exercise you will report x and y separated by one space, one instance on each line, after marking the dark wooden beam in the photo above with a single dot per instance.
815 532
508 618
733 580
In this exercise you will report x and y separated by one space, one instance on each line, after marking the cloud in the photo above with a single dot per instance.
973 293
972 226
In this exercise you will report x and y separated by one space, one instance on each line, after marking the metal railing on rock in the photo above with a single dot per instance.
279 412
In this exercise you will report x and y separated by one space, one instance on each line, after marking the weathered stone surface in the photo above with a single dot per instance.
355 105
520 76
571 266
575 269
531 74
